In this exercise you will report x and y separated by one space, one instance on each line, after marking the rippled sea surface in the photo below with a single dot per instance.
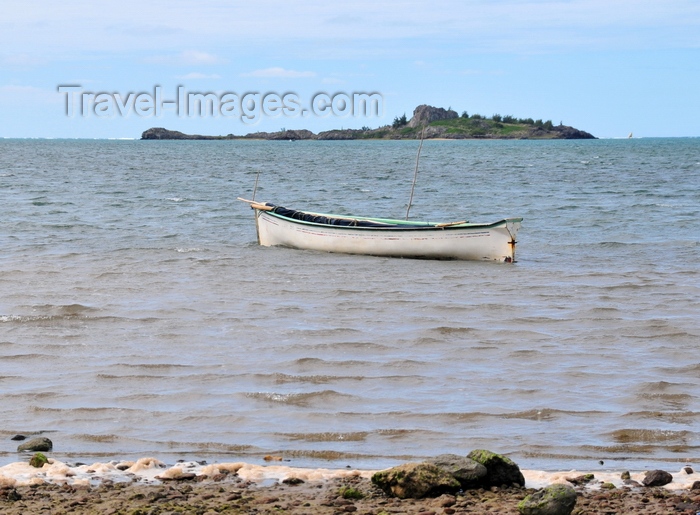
138 315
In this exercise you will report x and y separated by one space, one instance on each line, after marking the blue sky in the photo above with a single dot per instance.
609 67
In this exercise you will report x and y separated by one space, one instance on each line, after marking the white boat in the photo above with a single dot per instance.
277 225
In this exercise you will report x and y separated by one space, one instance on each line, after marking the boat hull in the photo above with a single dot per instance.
481 242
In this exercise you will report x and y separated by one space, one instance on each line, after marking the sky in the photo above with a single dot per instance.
85 69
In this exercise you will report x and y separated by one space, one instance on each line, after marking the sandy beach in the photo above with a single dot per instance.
148 486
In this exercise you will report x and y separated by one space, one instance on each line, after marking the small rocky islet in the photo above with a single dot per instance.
427 122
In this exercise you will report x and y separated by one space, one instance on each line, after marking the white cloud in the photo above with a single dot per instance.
277 72
146 30
22 60
18 94
188 58
197 75
195 57
500 25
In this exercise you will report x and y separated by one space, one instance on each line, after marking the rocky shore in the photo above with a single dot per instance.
228 493
427 122
481 482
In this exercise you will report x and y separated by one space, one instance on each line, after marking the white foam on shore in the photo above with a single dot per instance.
539 479
152 470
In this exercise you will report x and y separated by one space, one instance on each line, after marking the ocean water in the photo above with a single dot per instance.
139 317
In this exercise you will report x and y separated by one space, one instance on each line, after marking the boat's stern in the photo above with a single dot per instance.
512 226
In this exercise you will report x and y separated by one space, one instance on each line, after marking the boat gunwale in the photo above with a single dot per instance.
397 225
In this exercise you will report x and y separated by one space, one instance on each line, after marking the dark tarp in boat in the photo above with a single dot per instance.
325 220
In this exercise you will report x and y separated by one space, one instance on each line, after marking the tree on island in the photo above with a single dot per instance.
399 122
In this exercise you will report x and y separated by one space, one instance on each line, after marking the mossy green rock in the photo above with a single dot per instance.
38 460
500 469
551 500
348 492
416 481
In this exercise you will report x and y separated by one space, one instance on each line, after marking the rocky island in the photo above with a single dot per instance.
427 122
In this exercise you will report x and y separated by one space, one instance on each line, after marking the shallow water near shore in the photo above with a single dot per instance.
139 317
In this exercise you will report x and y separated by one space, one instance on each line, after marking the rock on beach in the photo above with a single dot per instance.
468 472
657 478
449 473
415 481
552 500
501 470
41 444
